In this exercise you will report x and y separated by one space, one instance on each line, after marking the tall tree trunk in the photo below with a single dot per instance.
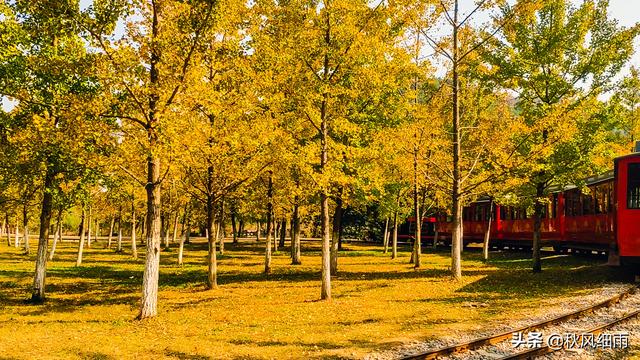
89 219
221 227
81 242
335 234
283 231
110 236
275 233
385 236
134 248
8 229
149 302
295 234
267 252
240 227
57 235
212 280
184 240
38 294
144 228
487 233
257 231
417 243
234 229
537 225
25 225
16 240
174 235
394 242
456 233
119 244
165 229
97 232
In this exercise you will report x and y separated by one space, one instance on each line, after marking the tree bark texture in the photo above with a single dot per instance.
38 293
295 234
83 221
335 235
267 252
456 233
57 235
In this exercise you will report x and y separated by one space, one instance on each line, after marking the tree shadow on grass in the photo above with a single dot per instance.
560 276
184 356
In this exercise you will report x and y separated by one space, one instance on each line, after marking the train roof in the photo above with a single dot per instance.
591 180
635 154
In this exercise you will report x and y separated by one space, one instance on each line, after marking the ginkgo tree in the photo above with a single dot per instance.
335 55
145 71
558 57
55 128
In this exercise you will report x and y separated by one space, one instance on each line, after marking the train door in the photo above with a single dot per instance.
627 203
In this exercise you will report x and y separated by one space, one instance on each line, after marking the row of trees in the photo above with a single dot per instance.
275 111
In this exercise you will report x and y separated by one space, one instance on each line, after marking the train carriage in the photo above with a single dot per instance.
605 218
627 208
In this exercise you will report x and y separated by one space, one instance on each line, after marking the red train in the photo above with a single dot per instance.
606 219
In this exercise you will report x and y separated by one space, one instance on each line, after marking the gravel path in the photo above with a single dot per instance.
505 348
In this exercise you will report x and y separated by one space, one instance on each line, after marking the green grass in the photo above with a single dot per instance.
378 303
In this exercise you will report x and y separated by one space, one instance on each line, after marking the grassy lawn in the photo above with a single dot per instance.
378 303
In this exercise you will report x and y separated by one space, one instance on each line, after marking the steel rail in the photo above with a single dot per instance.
546 349
494 339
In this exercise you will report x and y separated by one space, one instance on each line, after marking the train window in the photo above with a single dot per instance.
573 205
587 204
633 186
478 214
554 206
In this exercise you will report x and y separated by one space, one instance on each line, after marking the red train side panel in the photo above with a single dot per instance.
627 204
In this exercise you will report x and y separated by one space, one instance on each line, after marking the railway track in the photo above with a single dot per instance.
542 350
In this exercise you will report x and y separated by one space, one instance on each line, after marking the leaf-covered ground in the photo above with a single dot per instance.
378 303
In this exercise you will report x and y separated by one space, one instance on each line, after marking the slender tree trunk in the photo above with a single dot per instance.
417 243
144 229
212 280
267 252
119 244
487 233
394 242
456 233
134 247
8 229
240 227
174 235
537 224
295 234
283 232
89 219
221 227
187 233
38 294
275 233
165 229
97 230
57 235
81 242
16 239
25 224
335 234
234 229
385 236
110 236
257 231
